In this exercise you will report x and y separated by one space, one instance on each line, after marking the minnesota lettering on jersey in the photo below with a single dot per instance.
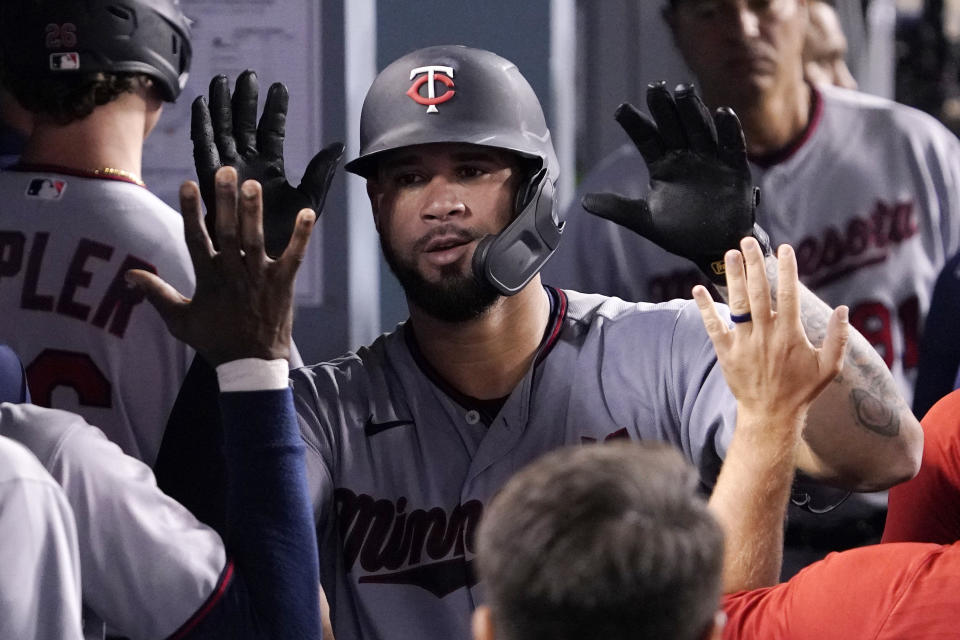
836 253
423 547
18 253
831 255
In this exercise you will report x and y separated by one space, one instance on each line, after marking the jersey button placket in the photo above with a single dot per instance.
472 417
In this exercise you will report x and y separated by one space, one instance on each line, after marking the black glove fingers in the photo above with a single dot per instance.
642 131
272 128
732 146
244 103
663 108
221 115
696 119
319 174
206 158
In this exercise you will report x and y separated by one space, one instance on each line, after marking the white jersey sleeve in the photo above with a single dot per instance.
39 567
147 564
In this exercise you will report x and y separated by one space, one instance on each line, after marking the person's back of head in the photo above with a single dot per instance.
63 58
609 541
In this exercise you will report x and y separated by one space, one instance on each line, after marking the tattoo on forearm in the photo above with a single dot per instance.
876 400
875 414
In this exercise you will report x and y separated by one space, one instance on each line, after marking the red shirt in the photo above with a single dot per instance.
902 591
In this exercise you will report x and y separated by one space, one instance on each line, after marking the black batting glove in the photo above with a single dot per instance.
702 200
226 132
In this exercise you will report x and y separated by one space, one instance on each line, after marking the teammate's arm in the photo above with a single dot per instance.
128 529
225 131
774 373
860 433
241 282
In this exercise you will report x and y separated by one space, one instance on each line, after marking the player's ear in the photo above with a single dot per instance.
482 623
376 197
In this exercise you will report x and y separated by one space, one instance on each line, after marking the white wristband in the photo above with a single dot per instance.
253 374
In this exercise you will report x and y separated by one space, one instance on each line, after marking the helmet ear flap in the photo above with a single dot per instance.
510 259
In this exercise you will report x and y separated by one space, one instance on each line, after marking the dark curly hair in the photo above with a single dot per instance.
71 97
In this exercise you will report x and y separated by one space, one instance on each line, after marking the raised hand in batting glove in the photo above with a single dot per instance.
226 132
702 200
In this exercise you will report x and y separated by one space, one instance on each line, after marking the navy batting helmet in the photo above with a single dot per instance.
457 94
47 38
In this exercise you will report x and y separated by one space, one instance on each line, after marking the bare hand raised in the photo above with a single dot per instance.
766 358
243 303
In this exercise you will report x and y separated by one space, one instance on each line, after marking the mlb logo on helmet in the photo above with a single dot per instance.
433 73
46 188
64 61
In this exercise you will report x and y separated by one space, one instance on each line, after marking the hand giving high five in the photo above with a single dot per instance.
243 304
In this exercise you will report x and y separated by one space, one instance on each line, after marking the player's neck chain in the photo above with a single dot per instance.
123 174
107 173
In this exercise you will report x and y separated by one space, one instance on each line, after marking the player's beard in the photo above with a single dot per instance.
458 297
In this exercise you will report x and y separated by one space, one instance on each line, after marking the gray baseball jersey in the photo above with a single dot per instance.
400 466
39 572
147 564
90 344
869 198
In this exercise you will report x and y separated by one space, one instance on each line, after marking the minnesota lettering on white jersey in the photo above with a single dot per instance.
400 470
91 344
869 198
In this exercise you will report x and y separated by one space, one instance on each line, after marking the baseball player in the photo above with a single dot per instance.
867 191
76 214
76 217
164 574
409 437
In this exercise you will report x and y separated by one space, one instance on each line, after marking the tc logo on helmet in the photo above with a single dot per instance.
433 73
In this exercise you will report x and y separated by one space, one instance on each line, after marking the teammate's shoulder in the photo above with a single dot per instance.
355 368
18 464
41 430
590 308
153 207
896 118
